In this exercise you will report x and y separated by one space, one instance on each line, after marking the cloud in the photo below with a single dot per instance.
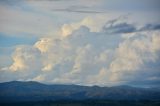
75 10
24 57
39 78
140 50
78 9
100 6
53 51
89 22
89 57
118 25
88 49
150 27
42 20
78 6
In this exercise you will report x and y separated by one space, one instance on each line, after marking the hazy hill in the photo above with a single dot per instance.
34 91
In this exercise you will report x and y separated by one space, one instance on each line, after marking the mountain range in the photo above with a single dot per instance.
35 91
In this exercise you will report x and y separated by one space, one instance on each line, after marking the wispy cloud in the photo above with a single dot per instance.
77 11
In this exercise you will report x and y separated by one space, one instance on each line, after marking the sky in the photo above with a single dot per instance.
84 42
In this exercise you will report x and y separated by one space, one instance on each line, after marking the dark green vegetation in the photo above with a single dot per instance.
85 103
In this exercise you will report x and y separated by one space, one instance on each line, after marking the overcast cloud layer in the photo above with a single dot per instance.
84 42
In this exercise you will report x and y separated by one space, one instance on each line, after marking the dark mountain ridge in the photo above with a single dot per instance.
35 91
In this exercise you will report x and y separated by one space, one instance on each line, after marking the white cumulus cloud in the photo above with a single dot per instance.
88 57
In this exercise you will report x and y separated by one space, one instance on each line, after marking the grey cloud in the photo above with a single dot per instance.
116 26
150 27
119 28
76 11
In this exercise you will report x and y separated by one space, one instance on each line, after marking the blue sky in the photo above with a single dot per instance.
87 42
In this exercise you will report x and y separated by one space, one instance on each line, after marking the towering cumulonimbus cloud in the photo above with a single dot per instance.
85 56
